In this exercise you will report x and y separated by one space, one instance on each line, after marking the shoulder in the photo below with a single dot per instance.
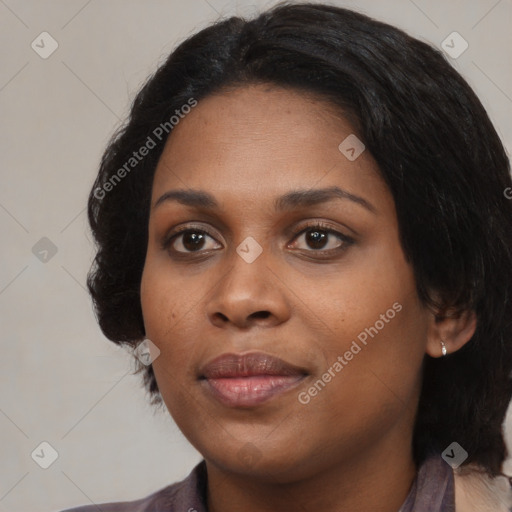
187 495
166 495
475 491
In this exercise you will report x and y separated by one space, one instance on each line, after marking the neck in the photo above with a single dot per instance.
380 483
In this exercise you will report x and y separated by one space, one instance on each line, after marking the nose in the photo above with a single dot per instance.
248 294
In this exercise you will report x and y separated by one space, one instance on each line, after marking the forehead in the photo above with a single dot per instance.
262 139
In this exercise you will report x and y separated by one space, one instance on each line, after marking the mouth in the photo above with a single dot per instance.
250 379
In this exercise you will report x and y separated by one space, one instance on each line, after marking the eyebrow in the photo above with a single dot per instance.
292 200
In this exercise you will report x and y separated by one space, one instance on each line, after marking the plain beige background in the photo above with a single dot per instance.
61 381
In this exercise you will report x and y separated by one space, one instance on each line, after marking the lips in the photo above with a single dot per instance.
250 379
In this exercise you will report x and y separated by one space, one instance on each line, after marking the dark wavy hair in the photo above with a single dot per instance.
435 147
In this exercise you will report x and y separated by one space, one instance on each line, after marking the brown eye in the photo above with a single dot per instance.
316 239
192 241
320 238
189 241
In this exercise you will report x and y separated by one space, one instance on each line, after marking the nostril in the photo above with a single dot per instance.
261 314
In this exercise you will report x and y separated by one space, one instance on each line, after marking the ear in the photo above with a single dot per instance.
453 329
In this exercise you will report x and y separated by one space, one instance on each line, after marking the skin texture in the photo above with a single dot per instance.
349 447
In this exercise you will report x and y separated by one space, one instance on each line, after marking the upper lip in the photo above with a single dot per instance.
246 365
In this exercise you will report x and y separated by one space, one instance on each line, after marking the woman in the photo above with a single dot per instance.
304 220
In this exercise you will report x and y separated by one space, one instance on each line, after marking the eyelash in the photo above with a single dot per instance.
317 225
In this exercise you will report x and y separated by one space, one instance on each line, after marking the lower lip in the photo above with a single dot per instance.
250 391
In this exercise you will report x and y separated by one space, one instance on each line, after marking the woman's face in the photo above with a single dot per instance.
253 276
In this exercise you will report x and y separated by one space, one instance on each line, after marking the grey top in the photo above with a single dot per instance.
432 491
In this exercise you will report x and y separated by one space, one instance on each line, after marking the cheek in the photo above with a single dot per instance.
169 308
372 296
155 305
377 324
376 384
164 300
383 355
164 307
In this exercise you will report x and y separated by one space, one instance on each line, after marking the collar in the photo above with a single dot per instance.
432 490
